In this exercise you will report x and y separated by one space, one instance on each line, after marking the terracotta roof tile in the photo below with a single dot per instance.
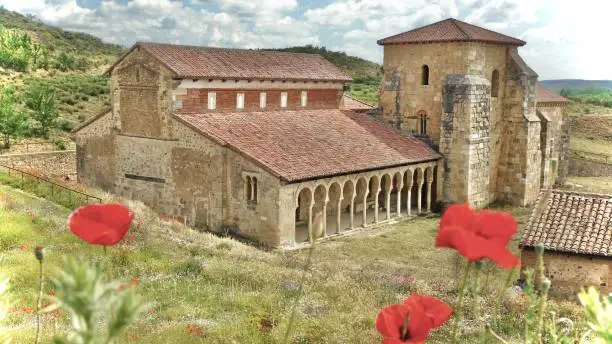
544 95
571 222
206 62
450 30
350 103
300 145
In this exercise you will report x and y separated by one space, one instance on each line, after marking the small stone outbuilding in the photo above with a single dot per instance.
576 232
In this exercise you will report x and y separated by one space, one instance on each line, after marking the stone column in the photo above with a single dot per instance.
409 198
388 202
310 234
339 216
419 193
400 184
365 208
324 234
352 212
429 183
376 205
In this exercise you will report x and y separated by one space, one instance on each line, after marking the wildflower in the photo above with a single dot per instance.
101 224
412 321
478 235
135 282
23 247
26 310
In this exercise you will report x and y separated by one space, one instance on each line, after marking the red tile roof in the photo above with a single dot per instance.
300 145
450 30
350 103
191 62
544 95
571 222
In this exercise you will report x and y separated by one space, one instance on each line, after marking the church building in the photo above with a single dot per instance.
260 142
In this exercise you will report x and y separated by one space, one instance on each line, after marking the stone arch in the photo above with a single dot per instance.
425 75
303 214
348 203
384 197
334 207
319 212
495 83
361 194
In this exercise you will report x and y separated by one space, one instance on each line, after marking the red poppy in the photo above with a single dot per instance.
412 321
101 224
478 235
135 282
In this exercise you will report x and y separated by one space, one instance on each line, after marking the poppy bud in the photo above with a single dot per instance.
539 248
39 252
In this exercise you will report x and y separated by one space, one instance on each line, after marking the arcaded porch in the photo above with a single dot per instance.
337 205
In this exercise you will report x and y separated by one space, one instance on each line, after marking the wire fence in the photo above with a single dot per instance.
42 187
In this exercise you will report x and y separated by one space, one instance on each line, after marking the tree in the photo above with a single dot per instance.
12 121
41 100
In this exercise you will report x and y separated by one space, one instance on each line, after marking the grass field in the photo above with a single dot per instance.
236 293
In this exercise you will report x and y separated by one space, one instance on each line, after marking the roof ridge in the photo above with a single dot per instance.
578 193
455 21
416 28
203 47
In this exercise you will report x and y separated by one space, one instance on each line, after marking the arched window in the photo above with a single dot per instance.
425 75
422 117
249 189
495 83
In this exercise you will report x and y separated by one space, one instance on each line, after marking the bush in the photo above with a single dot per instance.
60 145
189 267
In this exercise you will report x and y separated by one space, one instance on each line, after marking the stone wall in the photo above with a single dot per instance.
554 124
95 151
465 139
588 168
196 99
570 272
47 164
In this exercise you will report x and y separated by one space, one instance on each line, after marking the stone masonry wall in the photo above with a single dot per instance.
569 272
196 99
553 148
588 168
47 164
465 137
95 151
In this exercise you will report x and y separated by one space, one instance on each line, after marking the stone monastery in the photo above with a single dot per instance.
261 142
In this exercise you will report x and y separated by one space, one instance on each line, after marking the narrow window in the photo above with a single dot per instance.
304 98
495 84
254 198
212 100
251 190
248 189
283 99
240 101
425 75
422 116
262 100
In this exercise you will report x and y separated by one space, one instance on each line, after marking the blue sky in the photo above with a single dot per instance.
565 39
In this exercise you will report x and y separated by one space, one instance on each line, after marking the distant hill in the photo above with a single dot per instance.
572 84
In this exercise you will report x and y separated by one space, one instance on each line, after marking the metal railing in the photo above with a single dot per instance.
43 187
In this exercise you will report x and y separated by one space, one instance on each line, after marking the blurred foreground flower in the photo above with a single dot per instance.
478 235
101 224
599 314
412 321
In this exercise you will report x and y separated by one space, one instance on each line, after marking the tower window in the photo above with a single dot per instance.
495 83
212 100
425 75
283 99
422 117
240 101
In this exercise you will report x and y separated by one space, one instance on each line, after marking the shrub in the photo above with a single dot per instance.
60 145
189 267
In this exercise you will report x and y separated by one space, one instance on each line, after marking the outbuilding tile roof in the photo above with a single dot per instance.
301 145
206 62
544 95
350 103
571 222
450 30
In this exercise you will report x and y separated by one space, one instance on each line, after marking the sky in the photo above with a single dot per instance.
566 39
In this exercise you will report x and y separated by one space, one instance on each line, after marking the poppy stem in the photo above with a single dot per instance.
459 306
500 296
38 302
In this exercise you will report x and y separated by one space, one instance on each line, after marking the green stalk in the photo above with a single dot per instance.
38 302
299 295
459 306
545 286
